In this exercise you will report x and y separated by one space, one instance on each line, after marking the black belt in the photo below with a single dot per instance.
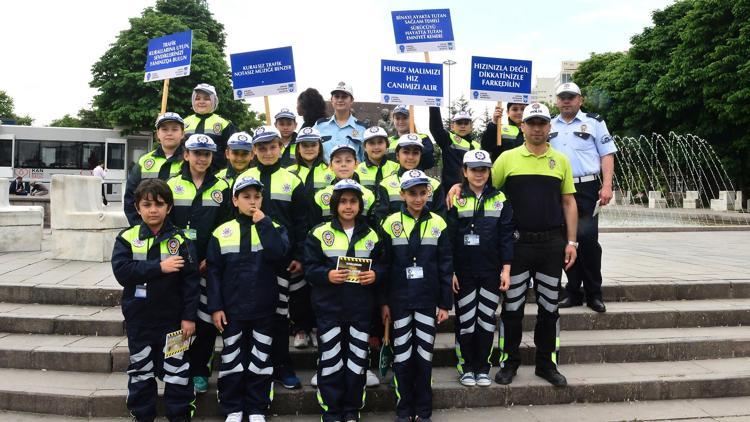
523 236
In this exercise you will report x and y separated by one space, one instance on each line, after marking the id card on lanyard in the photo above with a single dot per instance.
415 272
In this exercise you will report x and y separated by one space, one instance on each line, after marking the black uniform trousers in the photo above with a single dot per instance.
300 307
587 269
413 341
202 350
147 361
280 357
542 262
476 303
343 358
245 369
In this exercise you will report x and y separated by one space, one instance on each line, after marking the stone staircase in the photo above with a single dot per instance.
63 352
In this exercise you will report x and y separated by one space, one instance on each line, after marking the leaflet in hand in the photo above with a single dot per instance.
354 265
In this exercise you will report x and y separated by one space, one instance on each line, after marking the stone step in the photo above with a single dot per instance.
108 354
107 321
614 291
103 395
734 409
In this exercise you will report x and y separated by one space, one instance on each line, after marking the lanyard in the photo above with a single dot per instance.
421 235
477 205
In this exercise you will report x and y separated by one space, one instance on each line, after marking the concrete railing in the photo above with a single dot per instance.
20 226
656 200
82 229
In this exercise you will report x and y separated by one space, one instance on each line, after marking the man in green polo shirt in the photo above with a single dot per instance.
538 181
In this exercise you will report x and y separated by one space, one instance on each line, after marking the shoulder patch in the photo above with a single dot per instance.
149 163
138 243
325 198
595 116
217 196
322 120
552 135
173 246
328 237
397 228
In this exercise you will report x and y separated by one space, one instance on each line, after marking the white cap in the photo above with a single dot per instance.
284 113
265 134
347 184
477 158
409 139
211 91
169 117
240 140
461 115
198 141
342 147
374 132
343 87
536 110
568 88
401 109
414 178
308 134
246 182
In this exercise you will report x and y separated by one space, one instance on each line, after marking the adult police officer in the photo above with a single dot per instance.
538 182
585 140
342 127
400 116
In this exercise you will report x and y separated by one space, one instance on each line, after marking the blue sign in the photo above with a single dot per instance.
411 83
169 56
495 79
423 30
263 72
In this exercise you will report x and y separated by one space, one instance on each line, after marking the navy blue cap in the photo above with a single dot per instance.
285 113
169 117
414 178
240 140
341 147
265 134
198 142
308 134
347 184
246 182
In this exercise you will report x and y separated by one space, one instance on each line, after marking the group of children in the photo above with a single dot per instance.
243 250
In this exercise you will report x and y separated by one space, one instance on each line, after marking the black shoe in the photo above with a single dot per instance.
553 376
597 305
505 375
569 302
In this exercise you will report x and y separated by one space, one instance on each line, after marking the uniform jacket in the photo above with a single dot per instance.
241 259
453 148
136 260
151 165
325 243
426 244
489 216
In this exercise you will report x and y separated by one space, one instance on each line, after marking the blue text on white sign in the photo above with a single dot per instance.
423 30
263 72
494 79
411 83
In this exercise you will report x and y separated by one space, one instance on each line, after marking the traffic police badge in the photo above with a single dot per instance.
435 232
583 128
397 228
498 205
369 245
138 243
217 128
227 232
328 238
217 196
326 199
173 246
461 201
328 177
286 188
552 164
149 164
179 189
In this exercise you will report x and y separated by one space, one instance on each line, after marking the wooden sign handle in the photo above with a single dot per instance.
164 94
268 110
499 126
412 125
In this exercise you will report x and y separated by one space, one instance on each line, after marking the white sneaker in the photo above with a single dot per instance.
372 379
483 380
314 337
314 380
301 341
234 417
256 418
467 379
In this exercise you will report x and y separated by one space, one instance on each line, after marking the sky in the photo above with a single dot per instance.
47 57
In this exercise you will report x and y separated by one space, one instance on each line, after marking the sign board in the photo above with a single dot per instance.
494 79
423 30
263 72
169 56
411 83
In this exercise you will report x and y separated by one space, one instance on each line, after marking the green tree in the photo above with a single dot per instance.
8 110
689 72
125 100
86 118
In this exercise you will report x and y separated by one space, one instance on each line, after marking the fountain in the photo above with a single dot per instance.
672 182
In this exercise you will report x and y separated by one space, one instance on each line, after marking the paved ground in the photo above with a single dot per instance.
724 409
690 256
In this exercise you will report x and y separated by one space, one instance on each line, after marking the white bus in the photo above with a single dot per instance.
36 153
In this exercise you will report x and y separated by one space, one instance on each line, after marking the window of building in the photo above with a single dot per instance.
6 152
116 156
58 154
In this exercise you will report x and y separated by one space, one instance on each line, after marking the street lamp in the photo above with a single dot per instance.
449 63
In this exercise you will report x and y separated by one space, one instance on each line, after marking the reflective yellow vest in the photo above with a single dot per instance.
150 165
214 124
167 247
335 243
